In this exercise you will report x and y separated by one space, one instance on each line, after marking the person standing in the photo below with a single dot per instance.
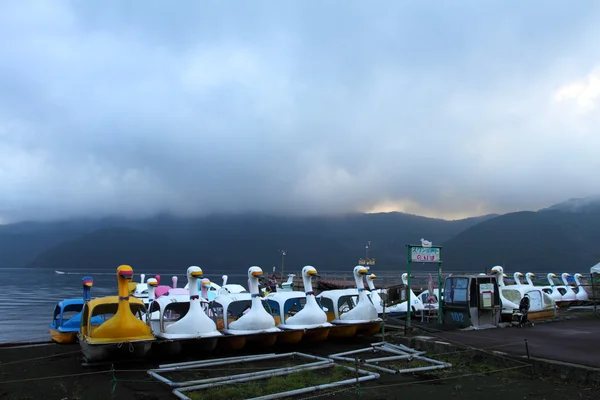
273 284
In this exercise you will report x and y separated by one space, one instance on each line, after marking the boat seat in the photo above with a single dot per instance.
220 323
330 316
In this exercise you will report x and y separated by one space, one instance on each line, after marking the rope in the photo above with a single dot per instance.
38 358
83 374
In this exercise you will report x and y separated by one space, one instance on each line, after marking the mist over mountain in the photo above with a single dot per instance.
562 237
223 241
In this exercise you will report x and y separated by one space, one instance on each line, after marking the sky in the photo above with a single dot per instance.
438 108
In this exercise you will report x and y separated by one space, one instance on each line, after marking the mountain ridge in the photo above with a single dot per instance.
553 237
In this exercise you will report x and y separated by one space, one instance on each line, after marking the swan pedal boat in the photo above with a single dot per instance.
541 303
300 311
350 319
245 316
181 319
65 325
123 333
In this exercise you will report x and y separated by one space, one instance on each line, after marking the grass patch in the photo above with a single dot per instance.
296 380
231 369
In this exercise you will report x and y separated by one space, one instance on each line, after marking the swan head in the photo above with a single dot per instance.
194 272
87 281
520 275
578 275
551 275
372 277
529 274
360 270
498 270
565 275
125 272
205 282
255 272
152 282
405 276
309 271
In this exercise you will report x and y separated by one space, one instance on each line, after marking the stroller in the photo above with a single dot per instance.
524 312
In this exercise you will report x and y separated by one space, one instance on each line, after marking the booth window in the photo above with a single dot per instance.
455 291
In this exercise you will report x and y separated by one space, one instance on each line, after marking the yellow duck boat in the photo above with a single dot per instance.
123 334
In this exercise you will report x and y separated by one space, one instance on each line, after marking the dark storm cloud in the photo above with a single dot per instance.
296 107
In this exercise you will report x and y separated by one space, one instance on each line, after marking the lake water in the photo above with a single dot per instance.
28 296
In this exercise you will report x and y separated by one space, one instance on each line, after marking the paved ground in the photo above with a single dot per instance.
574 341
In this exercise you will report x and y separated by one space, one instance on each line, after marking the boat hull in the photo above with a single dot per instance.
290 336
266 339
531 316
369 328
96 352
229 343
340 331
314 335
201 345
63 337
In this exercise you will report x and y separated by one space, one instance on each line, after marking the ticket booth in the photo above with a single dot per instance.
471 300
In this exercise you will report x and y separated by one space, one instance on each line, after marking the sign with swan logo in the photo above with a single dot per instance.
425 254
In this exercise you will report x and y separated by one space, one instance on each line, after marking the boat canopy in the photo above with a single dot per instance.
65 311
107 307
290 302
595 269
338 301
232 306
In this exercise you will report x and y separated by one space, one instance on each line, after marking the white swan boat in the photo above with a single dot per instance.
295 310
541 304
582 295
553 291
399 309
181 317
244 315
568 294
344 314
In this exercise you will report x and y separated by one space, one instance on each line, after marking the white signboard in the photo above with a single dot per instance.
425 254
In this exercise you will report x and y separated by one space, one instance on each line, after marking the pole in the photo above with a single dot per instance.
282 263
440 283
408 247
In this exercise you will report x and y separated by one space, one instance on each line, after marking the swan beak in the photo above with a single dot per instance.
568 275
257 274
372 276
521 275
126 274
206 283
553 275
532 275
504 276
363 271
312 272
196 274
153 284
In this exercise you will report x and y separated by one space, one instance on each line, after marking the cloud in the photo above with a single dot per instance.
307 107
585 93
